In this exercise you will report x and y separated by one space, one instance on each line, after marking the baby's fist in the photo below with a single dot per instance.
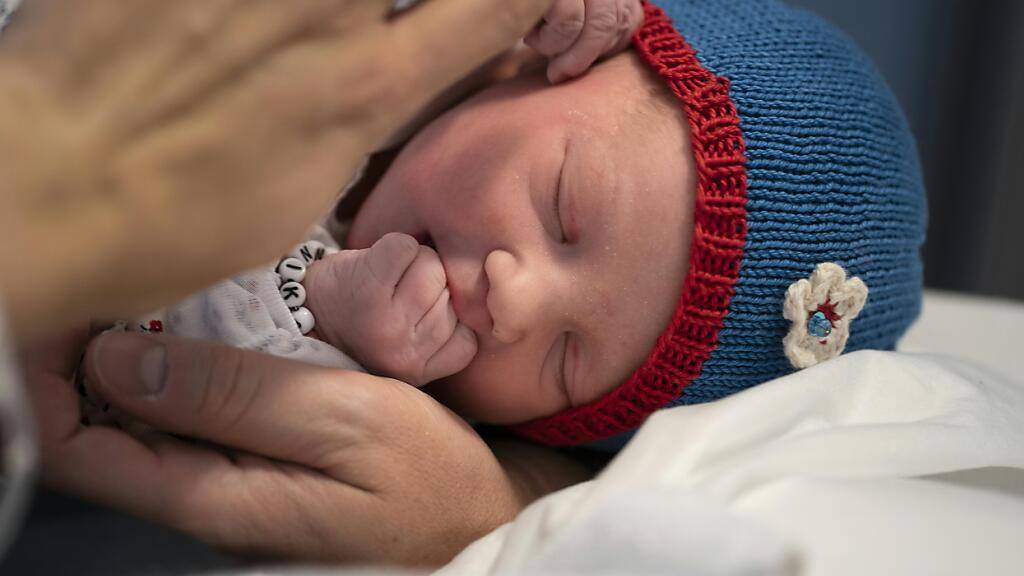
575 33
389 307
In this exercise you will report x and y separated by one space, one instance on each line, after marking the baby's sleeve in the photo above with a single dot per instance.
248 312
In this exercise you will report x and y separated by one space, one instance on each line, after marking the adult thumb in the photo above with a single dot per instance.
254 402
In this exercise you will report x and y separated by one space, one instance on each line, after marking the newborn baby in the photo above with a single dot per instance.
699 215
534 251
543 204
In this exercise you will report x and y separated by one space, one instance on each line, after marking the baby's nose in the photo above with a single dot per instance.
515 298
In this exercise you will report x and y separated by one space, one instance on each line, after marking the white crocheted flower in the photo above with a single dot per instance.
821 309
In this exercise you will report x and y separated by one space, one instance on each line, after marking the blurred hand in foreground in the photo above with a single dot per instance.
150 148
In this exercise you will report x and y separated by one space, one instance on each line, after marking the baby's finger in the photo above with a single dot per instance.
454 356
560 29
421 286
390 257
433 331
600 33
437 325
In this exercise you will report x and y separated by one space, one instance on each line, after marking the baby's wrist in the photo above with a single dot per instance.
334 308
292 275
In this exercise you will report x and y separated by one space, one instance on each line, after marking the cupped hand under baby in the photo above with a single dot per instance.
293 461
389 307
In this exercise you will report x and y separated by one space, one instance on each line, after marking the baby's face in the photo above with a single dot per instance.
563 217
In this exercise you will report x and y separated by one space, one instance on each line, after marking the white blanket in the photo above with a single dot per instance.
874 463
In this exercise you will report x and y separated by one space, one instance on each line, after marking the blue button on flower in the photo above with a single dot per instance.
818 325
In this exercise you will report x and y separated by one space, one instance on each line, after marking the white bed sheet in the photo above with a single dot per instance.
986 331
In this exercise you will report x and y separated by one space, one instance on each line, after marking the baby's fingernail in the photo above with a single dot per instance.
129 364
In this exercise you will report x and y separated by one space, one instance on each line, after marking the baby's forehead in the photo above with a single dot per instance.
614 91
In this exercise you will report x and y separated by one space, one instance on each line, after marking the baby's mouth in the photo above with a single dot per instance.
425 239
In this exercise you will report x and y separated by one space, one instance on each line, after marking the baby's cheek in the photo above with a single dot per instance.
487 393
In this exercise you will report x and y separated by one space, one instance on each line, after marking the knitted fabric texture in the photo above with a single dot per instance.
803 157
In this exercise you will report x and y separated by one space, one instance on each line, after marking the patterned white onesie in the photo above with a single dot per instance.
247 311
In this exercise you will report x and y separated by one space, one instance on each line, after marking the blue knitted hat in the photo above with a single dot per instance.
809 214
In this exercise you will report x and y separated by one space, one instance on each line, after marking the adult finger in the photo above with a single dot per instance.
59 355
600 32
485 29
91 461
209 47
384 77
278 408
561 27
421 285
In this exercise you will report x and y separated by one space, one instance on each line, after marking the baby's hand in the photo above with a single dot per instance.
388 306
575 33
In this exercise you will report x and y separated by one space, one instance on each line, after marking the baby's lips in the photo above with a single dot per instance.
470 306
425 239
465 332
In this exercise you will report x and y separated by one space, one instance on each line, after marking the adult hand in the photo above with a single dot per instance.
309 463
150 147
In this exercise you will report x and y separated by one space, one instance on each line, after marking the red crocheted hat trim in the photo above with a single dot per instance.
720 229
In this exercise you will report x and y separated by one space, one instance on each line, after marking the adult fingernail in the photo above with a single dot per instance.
129 364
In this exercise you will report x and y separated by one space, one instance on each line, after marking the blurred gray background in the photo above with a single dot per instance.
957 66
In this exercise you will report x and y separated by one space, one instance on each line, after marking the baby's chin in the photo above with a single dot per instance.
445 392
458 394
467 399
